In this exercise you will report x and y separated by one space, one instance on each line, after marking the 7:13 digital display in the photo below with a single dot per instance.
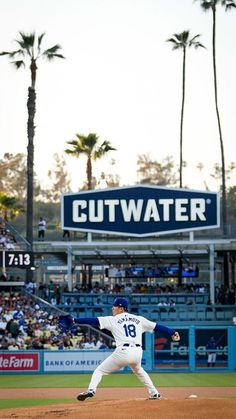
18 259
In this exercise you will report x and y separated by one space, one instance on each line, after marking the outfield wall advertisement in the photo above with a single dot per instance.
169 352
73 361
160 352
19 362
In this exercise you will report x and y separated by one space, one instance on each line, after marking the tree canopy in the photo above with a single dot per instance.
155 172
92 148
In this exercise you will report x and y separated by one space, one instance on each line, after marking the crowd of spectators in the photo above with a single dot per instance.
25 324
53 292
224 295
134 288
7 239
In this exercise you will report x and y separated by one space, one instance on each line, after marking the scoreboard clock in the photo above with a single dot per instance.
17 259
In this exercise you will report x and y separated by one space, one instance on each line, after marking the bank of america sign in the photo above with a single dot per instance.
140 210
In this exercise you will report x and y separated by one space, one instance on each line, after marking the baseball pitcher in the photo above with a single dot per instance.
127 330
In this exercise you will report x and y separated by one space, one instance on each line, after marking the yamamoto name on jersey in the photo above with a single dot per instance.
128 319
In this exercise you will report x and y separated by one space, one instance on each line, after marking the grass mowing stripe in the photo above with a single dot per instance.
118 380
174 380
13 403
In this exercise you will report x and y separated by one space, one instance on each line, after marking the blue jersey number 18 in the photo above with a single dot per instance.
130 330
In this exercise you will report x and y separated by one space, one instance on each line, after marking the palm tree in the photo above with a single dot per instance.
10 206
29 50
206 6
183 41
89 146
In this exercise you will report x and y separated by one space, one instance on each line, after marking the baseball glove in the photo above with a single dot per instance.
65 322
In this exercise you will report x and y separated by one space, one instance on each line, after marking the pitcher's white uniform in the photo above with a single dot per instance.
127 330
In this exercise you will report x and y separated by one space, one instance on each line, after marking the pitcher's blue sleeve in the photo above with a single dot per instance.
165 329
92 321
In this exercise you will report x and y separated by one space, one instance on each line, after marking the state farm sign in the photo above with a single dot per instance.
19 361
141 210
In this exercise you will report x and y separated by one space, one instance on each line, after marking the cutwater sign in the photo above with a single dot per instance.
140 210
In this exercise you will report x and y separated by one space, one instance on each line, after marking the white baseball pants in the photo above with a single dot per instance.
121 357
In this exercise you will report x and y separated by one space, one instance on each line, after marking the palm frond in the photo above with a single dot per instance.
206 5
195 43
77 147
175 43
52 50
194 38
51 57
4 53
179 40
72 142
12 53
177 46
40 38
68 151
210 4
28 39
103 149
76 151
184 36
229 5
52 53
198 45
90 141
171 40
106 145
18 64
26 43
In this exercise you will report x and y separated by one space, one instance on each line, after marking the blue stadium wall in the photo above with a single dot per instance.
160 354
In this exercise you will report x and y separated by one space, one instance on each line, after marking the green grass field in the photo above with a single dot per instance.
113 380
12 403
118 380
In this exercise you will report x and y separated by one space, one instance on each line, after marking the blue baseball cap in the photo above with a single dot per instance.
121 302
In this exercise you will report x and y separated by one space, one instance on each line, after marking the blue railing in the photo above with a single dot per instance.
180 313
135 299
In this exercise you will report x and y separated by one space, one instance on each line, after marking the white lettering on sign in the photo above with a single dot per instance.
184 209
151 211
180 210
77 215
166 208
15 362
111 203
96 211
198 208
131 209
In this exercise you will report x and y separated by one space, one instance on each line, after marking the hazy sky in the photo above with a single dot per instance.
121 80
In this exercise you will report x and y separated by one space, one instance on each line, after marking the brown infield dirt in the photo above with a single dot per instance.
122 403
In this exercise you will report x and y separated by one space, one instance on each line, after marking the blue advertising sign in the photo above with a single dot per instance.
140 210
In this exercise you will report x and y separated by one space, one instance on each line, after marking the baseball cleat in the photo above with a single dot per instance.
85 395
155 397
